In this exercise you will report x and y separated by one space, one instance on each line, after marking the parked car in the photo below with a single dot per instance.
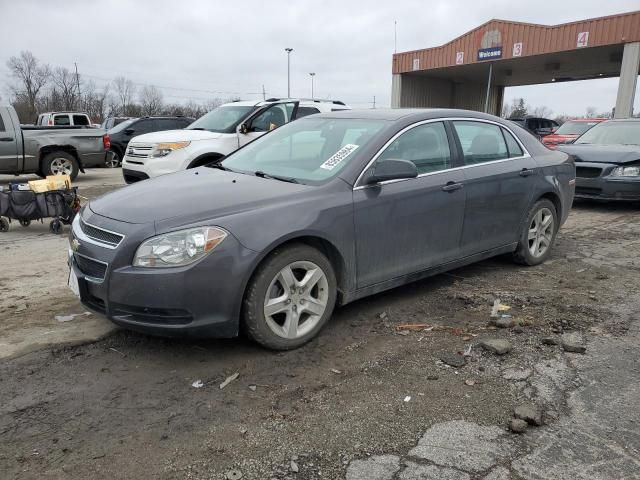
110 122
122 133
49 150
569 131
64 119
321 211
608 161
536 125
214 135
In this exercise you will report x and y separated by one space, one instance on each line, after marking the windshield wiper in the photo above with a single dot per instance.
262 174
219 166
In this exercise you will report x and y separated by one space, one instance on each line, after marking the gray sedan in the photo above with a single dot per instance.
317 213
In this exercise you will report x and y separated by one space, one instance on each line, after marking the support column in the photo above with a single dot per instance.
396 90
628 80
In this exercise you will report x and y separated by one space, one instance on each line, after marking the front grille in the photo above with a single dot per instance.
90 267
159 316
139 151
588 172
588 191
100 235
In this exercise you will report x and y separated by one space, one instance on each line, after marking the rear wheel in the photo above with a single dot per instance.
4 225
290 298
113 160
60 163
538 234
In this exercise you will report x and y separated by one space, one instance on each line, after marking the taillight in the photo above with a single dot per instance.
50 121
106 141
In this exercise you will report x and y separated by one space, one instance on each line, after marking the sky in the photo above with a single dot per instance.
198 49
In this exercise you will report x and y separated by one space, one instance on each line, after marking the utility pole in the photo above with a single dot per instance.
264 93
374 102
395 36
312 74
77 79
288 50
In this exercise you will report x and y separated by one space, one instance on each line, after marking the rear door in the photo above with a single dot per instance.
8 143
406 226
499 178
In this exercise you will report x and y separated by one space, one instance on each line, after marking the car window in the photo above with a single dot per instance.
167 124
273 117
481 142
61 120
80 120
305 111
513 146
223 119
425 145
1 124
143 126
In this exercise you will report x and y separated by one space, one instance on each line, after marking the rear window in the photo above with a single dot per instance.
61 120
306 111
81 120
575 128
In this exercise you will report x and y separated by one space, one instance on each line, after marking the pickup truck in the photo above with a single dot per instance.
49 150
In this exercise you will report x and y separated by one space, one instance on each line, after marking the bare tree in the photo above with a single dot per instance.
95 101
151 100
542 111
30 76
125 92
591 112
66 85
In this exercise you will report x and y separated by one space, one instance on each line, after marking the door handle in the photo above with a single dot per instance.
525 172
451 187
6 139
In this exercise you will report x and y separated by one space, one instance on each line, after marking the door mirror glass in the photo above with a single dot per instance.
392 169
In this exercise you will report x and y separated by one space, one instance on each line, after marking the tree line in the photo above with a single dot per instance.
518 108
36 87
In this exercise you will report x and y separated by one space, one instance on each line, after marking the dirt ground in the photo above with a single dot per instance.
123 406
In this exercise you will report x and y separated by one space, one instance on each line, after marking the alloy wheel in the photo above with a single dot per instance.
61 166
296 299
540 233
114 160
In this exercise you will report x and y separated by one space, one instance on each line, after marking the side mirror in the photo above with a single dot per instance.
391 169
129 131
243 128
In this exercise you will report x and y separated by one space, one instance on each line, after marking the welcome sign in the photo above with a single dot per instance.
489 53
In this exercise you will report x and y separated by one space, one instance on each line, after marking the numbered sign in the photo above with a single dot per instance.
583 39
416 64
517 49
459 58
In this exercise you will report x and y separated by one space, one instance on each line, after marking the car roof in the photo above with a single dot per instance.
630 119
411 114
586 120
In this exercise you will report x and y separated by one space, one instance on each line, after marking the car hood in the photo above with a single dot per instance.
176 136
618 154
193 195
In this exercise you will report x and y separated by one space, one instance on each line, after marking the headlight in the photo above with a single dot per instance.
178 248
164 149
626 172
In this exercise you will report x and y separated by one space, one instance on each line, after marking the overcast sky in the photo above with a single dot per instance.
197 49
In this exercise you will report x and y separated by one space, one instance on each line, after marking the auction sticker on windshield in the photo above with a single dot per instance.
335 159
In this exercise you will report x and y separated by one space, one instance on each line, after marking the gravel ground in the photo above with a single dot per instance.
125 407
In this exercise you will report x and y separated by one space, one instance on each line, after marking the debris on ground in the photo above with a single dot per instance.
336 371
414 327
229 380
573 342
197 384
253 388
467 351
516 425
498 307
294 467
504 321
68 318
383 316
432 377
407 398
529 413
470 382
518 374
550 341
498 346
233 475
453 359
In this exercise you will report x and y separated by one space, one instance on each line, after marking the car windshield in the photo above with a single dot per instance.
310 150
223 119
575 128
613 133
122 126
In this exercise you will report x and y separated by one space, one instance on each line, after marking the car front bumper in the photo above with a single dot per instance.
198 300
593 181
156 166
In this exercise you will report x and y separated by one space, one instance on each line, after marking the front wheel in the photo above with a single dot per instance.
290 298
538 234
60 163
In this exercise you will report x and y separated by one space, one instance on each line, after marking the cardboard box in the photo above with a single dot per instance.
58 182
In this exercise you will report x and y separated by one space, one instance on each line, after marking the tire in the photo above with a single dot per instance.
115 161
537 235
60 163
25 223
311 306
4 225
55 227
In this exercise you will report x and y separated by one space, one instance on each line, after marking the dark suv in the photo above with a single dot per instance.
536 125
125 131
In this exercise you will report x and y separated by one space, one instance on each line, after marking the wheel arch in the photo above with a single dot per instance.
70 149
204 159
555 199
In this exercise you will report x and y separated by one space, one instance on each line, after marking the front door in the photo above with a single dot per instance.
410 225
499 178
8 143
270 118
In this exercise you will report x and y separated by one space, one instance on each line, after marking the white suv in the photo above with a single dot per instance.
214 135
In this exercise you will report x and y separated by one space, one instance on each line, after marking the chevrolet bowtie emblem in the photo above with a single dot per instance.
75 244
